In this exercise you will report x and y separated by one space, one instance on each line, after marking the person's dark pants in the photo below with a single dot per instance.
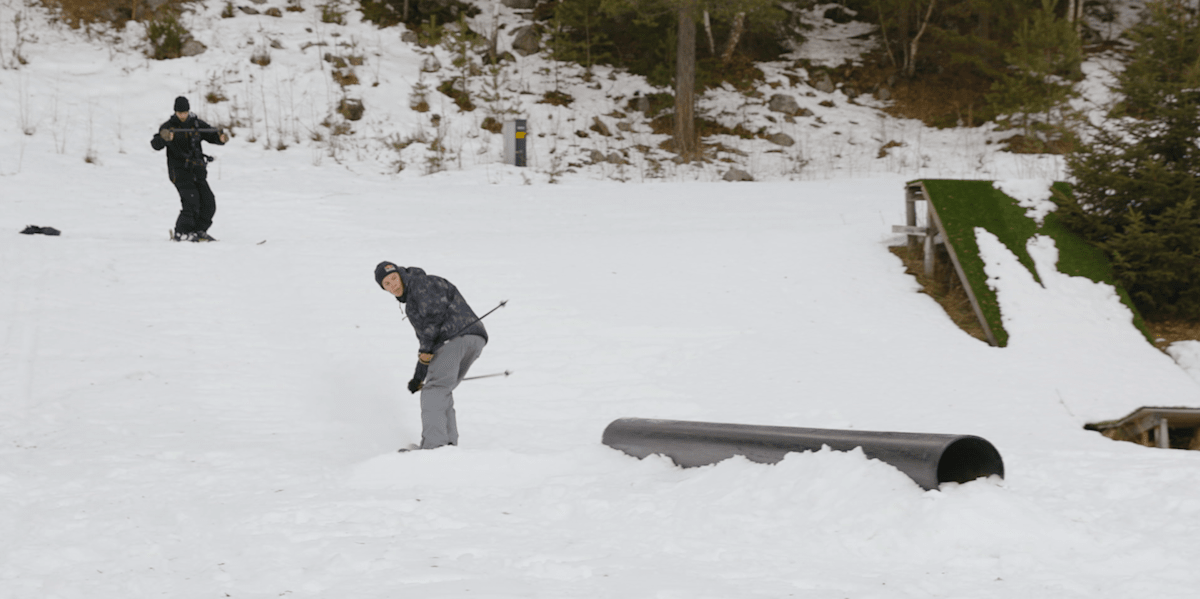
198 204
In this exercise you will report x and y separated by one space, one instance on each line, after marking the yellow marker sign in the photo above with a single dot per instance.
520 135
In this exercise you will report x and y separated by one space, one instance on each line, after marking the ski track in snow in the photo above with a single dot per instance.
211 420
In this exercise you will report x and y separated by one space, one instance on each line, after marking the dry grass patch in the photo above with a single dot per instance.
1169 331
957 95
556 98
944 287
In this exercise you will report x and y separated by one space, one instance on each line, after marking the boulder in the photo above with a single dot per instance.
784 103
526 40
410 37
883 94
192 48
351 108
643 105
737 174
430 64
824 84
599 127
782 139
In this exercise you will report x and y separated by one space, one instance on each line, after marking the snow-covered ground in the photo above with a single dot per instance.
212 420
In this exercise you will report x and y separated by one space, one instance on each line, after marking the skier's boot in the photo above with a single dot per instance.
203 236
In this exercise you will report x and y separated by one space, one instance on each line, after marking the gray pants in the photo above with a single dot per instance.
449 366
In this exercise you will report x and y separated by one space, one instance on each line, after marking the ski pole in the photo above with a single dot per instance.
459 332
471 378
193 130
488 376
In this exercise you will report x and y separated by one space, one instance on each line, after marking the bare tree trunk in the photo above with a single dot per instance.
1075 14
712 46
685 82
883 30
587 36
735 36
405 12
910 58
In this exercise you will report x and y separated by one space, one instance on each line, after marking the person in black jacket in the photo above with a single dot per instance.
188 168
451 338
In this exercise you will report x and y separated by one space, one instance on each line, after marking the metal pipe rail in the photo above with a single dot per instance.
928 459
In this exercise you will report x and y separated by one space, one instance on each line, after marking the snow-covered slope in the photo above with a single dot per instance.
96 95
210 420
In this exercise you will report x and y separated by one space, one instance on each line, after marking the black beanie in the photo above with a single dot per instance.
181 104
384 269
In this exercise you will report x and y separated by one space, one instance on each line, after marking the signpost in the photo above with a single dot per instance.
514 142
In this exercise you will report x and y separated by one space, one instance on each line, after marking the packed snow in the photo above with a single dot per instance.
1031 194
222 419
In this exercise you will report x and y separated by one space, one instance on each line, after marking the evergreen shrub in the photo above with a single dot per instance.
1136 177
166 36
421 13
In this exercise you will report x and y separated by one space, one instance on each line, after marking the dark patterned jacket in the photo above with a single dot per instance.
183 151
436 309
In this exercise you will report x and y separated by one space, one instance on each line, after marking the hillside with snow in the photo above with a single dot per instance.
277 84
221 419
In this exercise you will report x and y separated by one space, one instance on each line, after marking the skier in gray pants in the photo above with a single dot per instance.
451 338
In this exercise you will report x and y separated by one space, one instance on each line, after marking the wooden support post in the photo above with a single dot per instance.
1164 434
930 231
912 194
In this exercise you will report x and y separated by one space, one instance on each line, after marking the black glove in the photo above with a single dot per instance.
418 379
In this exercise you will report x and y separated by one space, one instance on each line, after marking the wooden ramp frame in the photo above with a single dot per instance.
1151 426
933 234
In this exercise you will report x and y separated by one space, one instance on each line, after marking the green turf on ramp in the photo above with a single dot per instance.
964 205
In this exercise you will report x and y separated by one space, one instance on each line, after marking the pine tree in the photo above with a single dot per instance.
586 40
1136 178
1036 86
